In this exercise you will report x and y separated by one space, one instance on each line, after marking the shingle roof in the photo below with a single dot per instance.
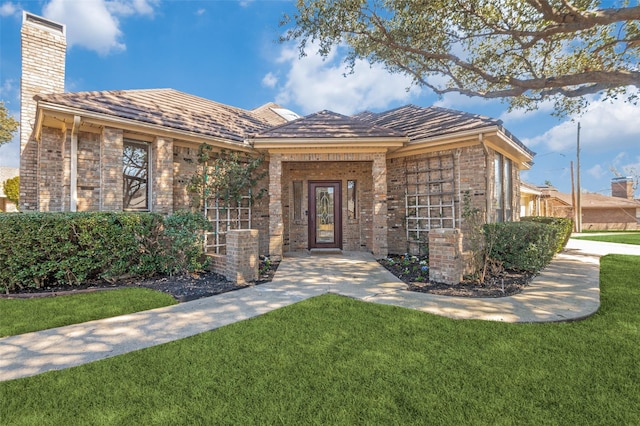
169 108
185 112
328 124
596 201
422 123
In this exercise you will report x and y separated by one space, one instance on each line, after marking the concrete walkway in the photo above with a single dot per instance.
567 289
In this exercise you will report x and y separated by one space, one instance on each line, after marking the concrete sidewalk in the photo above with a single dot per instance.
567 289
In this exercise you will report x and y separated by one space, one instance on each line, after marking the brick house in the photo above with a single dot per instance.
375 182
7 173
599 212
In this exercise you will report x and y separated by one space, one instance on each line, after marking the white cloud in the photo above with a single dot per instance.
270 80
598 171
94 24
10 152
9 89
627 167
131 7
315 84
9 9
544 108
605 125
200 12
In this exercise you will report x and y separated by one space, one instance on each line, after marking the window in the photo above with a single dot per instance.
297 200
508 189
135 170
503 189
351 199
498 189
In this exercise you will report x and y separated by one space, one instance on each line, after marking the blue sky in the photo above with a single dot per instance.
226 51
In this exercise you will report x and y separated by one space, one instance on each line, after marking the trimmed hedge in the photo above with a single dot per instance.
563 225
40 249
521 246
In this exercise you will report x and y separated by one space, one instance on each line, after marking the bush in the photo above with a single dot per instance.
521 246
40 249
563 225
183 242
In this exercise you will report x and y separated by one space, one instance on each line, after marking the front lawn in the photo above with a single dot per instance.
19 316
335 360
633 238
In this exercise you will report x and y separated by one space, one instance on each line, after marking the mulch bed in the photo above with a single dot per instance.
195 286
182 287
505 283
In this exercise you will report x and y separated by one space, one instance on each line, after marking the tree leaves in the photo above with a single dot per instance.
226 176
522 51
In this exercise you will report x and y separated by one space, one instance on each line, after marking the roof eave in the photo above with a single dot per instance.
102 119
495 135
389 143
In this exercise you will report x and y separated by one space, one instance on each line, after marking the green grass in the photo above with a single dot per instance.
633 238
334 360
19 316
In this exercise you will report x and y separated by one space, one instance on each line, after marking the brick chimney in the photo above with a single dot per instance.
44 48
622 187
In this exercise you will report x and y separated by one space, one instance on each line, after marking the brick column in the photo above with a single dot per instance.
243 259
162 175
446 263
50 171
43 48
276 225
111 151
379 172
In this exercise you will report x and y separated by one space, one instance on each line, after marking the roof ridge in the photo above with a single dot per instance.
468 114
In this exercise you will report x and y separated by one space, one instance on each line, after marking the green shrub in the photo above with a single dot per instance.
564 227
40 249
521 246
183 242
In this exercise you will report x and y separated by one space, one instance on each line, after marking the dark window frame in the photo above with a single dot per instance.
136 178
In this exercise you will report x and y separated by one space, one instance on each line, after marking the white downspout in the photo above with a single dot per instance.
73 176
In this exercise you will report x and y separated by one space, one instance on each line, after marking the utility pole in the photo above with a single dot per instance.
574 206
579 189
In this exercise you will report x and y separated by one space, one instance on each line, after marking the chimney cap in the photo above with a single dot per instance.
622 178
45 23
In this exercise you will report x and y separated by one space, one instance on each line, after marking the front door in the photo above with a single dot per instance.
325 214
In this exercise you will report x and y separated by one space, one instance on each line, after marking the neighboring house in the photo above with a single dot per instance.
7 173
530 196
599 212
375 182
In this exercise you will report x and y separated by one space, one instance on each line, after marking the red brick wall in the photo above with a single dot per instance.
446 264
162 175
88 172
50 171
611 218
184 166
470 171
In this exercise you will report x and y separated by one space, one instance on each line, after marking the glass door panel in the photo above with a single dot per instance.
325 223
325 219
